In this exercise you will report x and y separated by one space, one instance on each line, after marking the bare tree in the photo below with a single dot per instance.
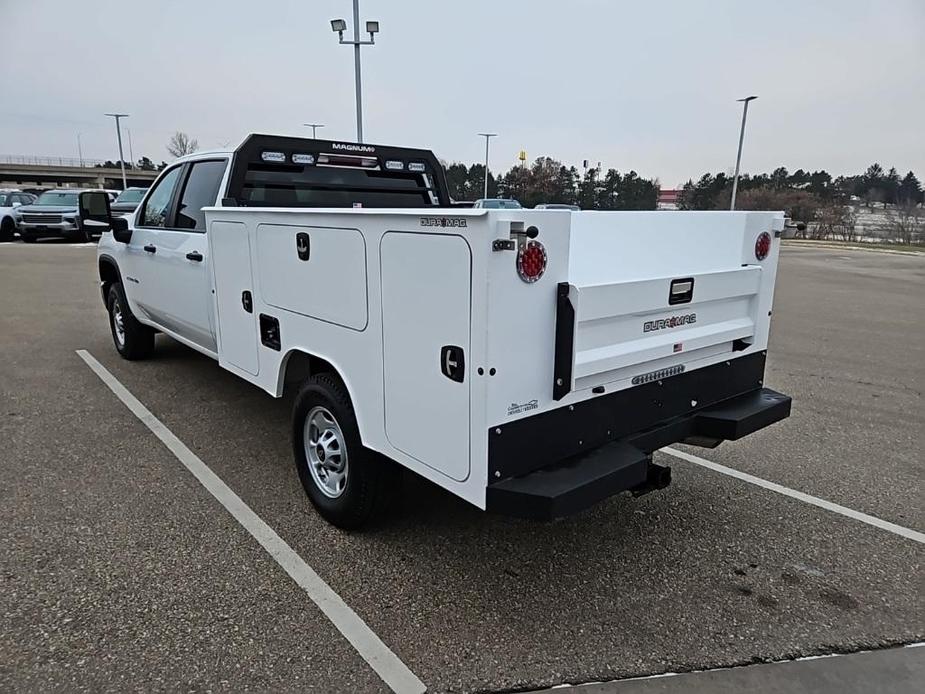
181 144
835 221
906 223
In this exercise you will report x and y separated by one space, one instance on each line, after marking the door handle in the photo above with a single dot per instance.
303 245
151 249
195 255
247 301
453 363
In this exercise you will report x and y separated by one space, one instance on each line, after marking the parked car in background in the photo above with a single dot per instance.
127 201
557 206
497 204
11 200
53 214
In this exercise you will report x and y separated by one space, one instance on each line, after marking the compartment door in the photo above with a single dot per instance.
425 340
234 300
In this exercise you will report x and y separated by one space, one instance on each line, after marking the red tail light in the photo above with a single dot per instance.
531 261
762 245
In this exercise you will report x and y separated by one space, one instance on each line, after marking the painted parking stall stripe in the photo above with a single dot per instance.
380 657
907 533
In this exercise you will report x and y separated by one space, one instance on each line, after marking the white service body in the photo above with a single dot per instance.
383 291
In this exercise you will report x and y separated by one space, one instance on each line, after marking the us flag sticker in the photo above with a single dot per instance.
678 346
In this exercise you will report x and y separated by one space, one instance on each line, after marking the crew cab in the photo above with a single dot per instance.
527 361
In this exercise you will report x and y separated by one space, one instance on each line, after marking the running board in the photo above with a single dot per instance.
572 485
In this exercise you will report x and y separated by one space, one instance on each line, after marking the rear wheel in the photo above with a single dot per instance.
346 482
132 339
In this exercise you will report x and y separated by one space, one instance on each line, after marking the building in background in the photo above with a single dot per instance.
668 199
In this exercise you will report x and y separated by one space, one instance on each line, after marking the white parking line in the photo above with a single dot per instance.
794 494
381 659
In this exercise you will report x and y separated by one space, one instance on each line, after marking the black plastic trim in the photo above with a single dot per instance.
549 437
573 484
269 332
565 343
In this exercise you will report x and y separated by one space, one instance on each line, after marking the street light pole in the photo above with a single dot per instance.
80 152
314 127
735 179
372 27
117 116
487 137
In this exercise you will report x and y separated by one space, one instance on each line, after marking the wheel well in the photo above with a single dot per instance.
109 274
7 222
108 271
299 366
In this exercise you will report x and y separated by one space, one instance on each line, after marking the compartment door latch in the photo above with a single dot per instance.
453 363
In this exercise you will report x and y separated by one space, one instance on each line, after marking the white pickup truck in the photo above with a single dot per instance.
527 361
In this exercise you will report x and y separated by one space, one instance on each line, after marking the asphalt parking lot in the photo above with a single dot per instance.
120 571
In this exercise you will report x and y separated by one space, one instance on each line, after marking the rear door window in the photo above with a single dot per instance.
200 191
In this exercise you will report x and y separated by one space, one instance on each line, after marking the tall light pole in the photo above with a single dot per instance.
117 116
80 152
487 137
372 28
314 127
131 153
735 179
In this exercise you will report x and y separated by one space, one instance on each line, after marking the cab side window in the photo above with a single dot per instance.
157 206
199 191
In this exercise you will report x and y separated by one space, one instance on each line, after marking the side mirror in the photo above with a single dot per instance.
120 229
16 204
95 215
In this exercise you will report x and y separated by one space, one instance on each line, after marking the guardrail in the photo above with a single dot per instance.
29 160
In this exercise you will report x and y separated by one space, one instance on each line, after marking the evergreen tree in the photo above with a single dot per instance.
910 190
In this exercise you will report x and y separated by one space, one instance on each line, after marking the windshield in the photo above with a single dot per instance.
131 195
501 204
57 197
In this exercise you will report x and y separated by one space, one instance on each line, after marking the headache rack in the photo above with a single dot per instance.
273 171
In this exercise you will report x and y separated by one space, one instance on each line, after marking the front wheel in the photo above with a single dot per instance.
346 482
132 339
6 229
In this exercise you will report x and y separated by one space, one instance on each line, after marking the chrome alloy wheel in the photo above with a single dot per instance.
118 322
325 451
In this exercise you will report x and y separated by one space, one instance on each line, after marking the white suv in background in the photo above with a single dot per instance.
9 201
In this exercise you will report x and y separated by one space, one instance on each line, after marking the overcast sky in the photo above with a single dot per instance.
649 86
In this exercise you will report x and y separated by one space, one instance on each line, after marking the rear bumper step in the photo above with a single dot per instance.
577 483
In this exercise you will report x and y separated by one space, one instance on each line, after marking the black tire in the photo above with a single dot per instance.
6 229
137 340
370 481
